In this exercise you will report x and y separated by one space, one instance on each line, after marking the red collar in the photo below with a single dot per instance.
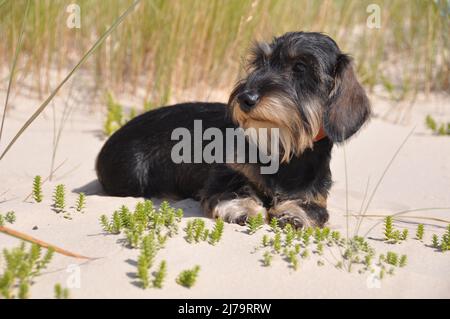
321 135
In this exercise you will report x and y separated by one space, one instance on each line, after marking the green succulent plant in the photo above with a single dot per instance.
22 266
160 275
254 223
81 202
187 278
420 231
59 198
217 232
37 189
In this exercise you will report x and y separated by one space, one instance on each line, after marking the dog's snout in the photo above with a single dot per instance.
247 100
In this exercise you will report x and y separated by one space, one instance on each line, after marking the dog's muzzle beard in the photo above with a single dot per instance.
298 123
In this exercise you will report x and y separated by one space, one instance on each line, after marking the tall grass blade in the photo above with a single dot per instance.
405 212
69 75
386 169
13 66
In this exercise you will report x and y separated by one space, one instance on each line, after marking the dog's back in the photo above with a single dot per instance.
144 144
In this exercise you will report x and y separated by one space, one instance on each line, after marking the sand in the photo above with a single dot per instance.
418 178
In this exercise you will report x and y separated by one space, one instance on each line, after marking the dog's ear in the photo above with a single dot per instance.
348 107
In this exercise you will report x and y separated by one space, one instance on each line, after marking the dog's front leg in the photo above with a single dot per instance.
232 208
228 195
300 213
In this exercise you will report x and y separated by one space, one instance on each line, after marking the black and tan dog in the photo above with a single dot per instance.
302 84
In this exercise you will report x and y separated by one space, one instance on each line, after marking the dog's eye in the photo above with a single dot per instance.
299 67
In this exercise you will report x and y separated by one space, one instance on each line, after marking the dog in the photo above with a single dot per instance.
302 85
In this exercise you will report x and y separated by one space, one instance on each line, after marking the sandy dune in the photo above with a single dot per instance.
419 178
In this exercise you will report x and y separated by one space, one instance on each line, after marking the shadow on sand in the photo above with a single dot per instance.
191 208
92 188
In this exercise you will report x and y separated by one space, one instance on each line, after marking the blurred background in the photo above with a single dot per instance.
170 50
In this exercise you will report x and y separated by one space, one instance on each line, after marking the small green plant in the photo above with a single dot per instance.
289 235
81 202
445 241
307 235
37 189
149 229
149 249
199 229
187 278
60 292
274 225
143 220
217 232
419 232
444 246
320 249
430 123
358 251
293 260
195 230
392 258
142 273
59 201
254 223
435 241
305 254
391 234
404 235
267 259
10 217
205 234
116 224
105 223
336 236
277 242
326 233
21 267
318 235
115 117
265 240
403 261
189 232
160 275
388 228
368 260
438 129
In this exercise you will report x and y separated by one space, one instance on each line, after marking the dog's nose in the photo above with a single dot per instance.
247 100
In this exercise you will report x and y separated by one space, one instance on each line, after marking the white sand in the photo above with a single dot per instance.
419 177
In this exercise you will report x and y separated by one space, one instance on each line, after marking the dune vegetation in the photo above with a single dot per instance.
167 47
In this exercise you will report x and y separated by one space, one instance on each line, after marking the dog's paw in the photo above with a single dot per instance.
289 212
296 221
237 211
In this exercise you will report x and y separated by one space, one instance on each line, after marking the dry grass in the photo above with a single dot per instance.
171 46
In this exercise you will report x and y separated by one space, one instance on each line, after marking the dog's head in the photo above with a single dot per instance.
300 83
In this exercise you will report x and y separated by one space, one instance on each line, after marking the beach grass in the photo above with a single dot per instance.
170 47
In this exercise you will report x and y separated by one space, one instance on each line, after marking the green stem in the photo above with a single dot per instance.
68 76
